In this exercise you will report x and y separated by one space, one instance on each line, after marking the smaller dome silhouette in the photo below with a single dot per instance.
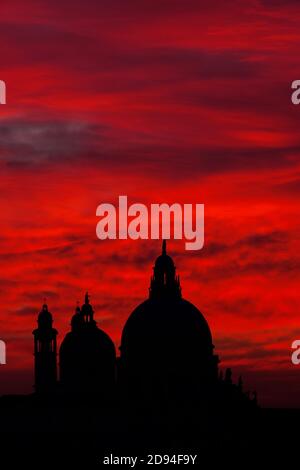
87 355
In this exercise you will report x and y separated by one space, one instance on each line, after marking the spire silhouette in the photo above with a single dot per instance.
164 247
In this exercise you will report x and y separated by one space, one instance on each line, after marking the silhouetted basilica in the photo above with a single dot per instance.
166 351
163 391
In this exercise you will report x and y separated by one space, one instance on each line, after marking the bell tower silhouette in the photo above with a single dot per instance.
45 352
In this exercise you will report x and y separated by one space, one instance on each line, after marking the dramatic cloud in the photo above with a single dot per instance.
172 102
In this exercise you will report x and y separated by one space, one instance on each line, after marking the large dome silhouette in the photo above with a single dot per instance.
160 324
166 337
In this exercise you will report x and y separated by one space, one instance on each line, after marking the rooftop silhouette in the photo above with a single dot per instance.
165 390
166 352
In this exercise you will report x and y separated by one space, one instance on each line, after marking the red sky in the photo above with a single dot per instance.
164 101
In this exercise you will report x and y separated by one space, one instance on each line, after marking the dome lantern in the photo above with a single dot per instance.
164 282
